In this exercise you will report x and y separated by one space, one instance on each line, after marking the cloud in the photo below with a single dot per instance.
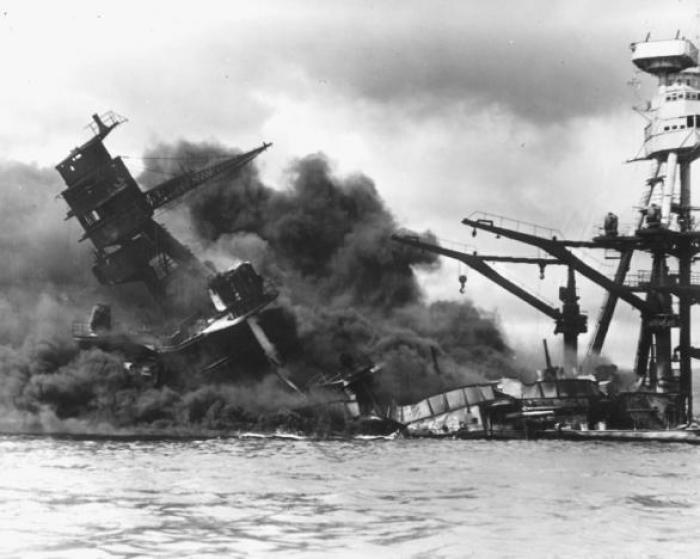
542 61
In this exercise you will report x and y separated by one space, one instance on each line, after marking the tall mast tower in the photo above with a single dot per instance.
666 228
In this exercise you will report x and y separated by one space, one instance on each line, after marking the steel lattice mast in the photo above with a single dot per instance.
671 142
665 230
118 217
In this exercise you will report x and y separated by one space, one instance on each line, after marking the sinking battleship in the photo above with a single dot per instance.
234 324
221 317
226 327
574 401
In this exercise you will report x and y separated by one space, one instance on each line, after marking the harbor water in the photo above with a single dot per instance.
357 498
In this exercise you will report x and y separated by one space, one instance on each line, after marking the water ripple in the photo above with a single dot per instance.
403 498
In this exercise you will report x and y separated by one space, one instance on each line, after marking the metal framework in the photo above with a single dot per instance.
117 216
568 320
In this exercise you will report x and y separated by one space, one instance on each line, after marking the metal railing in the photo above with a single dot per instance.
643 278
515 224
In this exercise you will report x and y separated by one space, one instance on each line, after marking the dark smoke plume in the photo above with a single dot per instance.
331 233
323 240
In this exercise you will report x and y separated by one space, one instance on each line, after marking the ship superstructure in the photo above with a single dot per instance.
665 231
218 314
117 217
666 224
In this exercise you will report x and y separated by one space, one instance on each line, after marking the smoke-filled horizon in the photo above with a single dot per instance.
522 109
322 239
325 241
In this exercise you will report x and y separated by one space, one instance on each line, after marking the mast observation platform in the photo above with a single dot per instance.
674 112
664 57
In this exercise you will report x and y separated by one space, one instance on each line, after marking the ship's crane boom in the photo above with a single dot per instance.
558 249
178 186
478 263
569 321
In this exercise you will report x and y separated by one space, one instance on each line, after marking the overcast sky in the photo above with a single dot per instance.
518 108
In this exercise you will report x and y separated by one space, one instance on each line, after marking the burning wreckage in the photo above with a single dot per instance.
237 322
217 333
228 329
130 246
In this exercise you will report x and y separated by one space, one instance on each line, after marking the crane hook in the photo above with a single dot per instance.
462 281
542 266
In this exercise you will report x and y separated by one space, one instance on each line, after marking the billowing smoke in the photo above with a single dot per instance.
325 240
348 291
332 234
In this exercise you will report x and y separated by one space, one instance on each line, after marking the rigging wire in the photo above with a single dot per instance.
158 172
143 168
173 158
